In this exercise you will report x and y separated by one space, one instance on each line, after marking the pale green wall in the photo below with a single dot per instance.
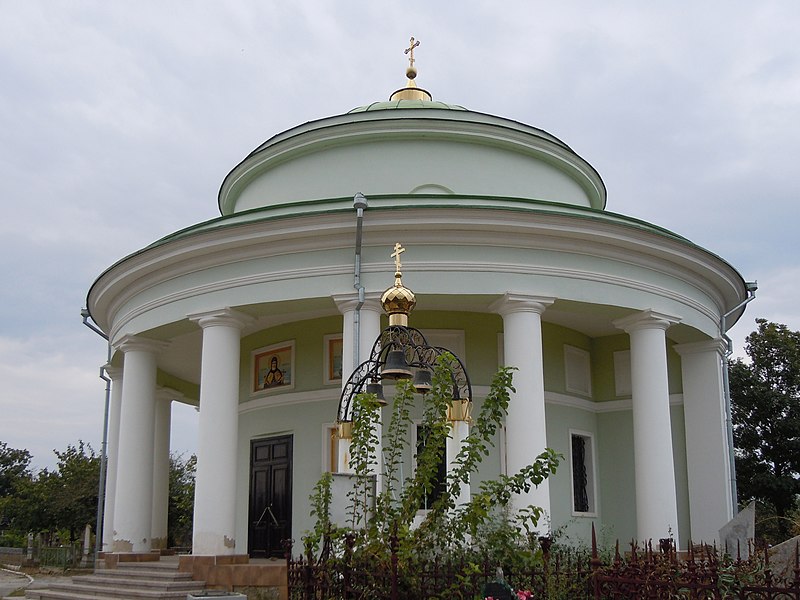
681 473
560 419
190 391
617 489
307 455
613 431
674 370
309 353
400 166
480 338
617 477
603 349
554 337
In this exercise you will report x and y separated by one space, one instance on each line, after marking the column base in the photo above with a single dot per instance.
112 559
231 571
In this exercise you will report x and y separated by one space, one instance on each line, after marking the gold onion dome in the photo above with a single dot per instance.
411 91
398 301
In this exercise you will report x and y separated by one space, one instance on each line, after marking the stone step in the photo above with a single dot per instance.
132 581
155 575
124 591
54 595
165 565
122 581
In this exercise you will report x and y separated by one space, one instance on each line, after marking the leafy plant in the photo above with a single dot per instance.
469 532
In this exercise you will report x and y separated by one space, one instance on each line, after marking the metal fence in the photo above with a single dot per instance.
61 557
641 573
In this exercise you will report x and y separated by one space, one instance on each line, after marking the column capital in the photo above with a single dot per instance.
513 302
114 373
716 345
349 302
646 319
128 343
226 317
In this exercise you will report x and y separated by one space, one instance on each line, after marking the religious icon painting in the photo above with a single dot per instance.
332 365
273 368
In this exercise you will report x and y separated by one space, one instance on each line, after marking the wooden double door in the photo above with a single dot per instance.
270 496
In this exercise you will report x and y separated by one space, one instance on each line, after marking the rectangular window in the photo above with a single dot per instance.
440 477
452 339
583 473
622 372
577 370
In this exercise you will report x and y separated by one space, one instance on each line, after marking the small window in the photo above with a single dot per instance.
583 488
452 339
440 479
578 371
622 372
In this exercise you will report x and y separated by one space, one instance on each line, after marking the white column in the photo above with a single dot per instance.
459 430
161 428
218 431
369 329
371 313
112 453
710 504
526 428
134 487
656 501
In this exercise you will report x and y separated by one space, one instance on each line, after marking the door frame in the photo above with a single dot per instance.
251 517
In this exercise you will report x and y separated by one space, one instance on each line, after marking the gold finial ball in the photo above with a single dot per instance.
398 300
411 72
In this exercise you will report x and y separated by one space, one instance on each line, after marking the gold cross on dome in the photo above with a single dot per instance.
398 250
410 51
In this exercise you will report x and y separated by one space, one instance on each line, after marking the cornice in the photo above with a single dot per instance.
470 228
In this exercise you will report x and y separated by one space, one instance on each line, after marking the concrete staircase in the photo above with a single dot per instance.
153 580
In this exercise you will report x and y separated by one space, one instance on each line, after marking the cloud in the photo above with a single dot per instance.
117 127
49 397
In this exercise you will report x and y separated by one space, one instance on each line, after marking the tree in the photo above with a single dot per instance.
73 491
448 527
14 466
181 500
63 499
765 395
15 475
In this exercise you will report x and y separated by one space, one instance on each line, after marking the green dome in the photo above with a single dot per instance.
393 104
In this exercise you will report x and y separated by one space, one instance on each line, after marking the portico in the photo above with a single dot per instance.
613 325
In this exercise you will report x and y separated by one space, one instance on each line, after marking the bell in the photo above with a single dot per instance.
374 387
396 366
423 381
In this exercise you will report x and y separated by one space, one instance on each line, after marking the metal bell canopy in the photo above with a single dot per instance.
402 352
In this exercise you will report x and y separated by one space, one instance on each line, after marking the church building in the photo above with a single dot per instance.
616 327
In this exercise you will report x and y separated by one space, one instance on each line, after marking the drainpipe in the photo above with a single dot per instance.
359 203
751 287
101 492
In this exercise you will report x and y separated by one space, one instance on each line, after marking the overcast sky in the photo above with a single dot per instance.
119 120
